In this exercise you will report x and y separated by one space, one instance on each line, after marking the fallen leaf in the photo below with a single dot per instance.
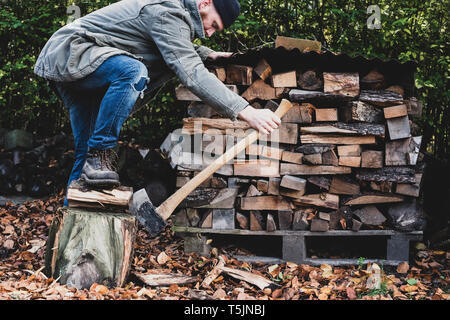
219 294
162 258
403 267
323 296
277 293
351 293
8 244
327 271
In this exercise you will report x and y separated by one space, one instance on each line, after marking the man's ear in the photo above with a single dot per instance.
204 4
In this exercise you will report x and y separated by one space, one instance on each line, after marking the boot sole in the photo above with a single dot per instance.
99 182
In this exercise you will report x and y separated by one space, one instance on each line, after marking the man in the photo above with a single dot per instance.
111 61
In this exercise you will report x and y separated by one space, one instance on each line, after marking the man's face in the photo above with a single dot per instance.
211 19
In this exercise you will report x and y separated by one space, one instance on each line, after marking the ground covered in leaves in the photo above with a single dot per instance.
23 234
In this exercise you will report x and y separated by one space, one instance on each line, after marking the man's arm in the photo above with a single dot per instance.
171 34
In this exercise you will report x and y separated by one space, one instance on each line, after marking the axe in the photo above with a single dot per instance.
154 219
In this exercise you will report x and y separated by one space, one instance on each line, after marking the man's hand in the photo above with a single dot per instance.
216 55
264 120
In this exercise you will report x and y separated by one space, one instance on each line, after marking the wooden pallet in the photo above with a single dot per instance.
294 244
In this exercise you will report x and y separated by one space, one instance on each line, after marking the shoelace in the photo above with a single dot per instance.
108 158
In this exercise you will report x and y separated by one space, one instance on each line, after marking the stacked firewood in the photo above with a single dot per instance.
33 167
346 156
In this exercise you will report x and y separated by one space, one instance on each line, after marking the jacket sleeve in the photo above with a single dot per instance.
202 51
171 34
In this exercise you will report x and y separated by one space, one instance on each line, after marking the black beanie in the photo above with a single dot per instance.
228 11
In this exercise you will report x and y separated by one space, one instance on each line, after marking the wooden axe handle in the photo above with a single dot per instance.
168 206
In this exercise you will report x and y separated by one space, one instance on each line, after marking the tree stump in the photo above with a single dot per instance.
86 247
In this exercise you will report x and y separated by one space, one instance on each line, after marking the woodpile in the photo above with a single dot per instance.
32 167
344 158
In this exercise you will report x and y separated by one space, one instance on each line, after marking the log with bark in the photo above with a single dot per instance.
87 247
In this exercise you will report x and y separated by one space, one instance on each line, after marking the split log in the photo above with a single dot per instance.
259 90
286 132
319 225
326 114
294 183
356 225
270 223
181 181
398 128
237 74
373 198
206 221
354 162
313 148
78 196
274 186
397 89
219 72
412 190
395 111
224 199
324 216
214 273
325 200
381 98
341 83
165 279
285 192
262 185
330 158
285 219
402 152
358 111
181 219
218 182
242 220
384 186
300 221
293 157
317 97
193 216
249 277
265 203
302 169
392 174
264 151
263 69
373 80
347 128
370 215
299 113
257 168
336 139
349 150
372 159
300 44
320 181
87 247
344 185
199 197
312 159
223 219
256 221
253 191
284 80
309 80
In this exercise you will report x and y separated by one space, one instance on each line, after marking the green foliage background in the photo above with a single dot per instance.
411 30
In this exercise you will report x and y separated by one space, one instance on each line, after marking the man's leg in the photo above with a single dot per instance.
125 79
83 109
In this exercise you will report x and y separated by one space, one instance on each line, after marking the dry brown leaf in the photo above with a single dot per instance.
351 293
219 294
277 293
403 267
162 258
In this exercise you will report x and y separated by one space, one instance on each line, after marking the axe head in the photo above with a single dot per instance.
146 214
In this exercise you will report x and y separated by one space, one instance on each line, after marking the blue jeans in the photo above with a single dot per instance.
100 103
